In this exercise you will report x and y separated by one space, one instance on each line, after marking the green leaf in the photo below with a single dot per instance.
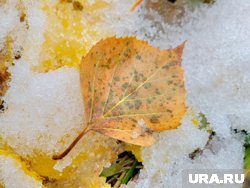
129 174
122 170
247 158
247 141
204 124
114 169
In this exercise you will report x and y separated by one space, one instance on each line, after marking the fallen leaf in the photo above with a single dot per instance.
22 176
135 5
131 89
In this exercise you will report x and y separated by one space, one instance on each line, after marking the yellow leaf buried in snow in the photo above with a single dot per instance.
15 174
131 89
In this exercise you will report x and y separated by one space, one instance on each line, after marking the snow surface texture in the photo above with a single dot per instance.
216 63
39 99
10 25
12 173
44 112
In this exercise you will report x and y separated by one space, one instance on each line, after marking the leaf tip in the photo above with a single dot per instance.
150 140
179 49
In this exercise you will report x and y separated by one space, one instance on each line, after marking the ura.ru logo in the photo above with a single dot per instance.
216 179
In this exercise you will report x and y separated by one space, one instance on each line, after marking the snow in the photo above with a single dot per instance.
216 64
14 175
37 108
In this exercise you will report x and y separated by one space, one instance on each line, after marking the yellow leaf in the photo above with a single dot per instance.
15 173
136 150
131 89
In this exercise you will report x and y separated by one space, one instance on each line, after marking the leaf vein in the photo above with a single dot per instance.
146 98
141 114
110 85
93 93
124 98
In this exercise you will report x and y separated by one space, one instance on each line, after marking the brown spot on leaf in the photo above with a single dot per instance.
154 119
77 5
116 78
137 104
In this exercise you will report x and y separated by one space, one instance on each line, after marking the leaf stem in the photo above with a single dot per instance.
72 145
135 5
